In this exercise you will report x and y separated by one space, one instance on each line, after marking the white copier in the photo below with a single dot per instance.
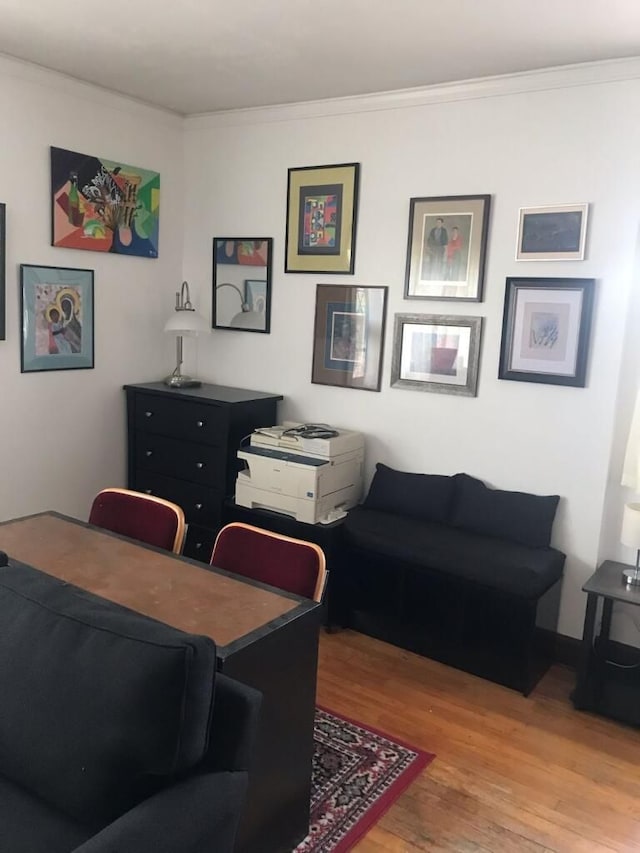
312 472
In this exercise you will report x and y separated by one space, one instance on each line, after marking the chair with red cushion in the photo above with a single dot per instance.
291 564
152 520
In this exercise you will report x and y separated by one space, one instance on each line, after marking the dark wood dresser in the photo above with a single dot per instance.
182 445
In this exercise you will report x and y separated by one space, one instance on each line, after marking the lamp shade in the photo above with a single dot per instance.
631 526
186 322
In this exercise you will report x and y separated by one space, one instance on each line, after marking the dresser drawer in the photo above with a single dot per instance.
199 542
197 463
201 504
191 421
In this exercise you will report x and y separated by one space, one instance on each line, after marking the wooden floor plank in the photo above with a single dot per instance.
513 774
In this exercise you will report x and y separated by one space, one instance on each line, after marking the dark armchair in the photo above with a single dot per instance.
117 735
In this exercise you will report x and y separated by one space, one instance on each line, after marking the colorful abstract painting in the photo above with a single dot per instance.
103 205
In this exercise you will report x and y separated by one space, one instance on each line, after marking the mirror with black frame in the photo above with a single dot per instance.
242 283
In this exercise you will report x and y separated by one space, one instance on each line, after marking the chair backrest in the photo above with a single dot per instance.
147 518
291 564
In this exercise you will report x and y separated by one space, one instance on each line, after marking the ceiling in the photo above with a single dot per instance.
199 56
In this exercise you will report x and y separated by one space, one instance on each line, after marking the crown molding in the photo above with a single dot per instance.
583 74
37 75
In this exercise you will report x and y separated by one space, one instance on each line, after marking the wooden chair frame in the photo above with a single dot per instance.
321 580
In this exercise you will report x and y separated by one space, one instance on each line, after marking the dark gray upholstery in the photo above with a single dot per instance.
496 563
116 732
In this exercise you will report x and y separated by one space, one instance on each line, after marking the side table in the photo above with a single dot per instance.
327 536
608 680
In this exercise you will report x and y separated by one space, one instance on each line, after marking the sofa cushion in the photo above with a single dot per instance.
425 496
29 825
99 704
495 563
515 516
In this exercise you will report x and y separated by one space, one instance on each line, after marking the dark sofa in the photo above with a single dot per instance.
450 568
116 733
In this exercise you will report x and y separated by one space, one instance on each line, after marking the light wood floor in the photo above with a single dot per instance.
511 773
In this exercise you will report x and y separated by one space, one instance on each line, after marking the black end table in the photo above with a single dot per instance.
608 679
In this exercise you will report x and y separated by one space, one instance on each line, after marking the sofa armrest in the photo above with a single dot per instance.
196 815
236 710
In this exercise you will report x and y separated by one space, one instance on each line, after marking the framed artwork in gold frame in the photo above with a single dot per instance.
322 204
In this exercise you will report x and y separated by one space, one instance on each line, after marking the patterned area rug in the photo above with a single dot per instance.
357 774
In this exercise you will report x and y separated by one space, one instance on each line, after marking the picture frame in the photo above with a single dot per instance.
447 247
57 309
436 352
348 337
241 294
3 272
552 233
322 206
545 330
103 205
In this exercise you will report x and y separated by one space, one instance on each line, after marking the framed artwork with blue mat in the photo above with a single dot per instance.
348 339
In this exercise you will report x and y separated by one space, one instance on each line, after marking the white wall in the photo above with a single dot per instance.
551 137
63 432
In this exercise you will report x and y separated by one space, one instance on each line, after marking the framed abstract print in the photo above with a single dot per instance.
57 318
552 233
348 337
545 330
435 352
322 206
447 247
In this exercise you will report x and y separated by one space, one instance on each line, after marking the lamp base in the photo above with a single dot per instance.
181 381
631 577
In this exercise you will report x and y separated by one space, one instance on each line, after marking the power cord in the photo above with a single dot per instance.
312 431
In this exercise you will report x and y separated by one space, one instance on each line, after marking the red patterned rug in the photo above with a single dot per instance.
357 774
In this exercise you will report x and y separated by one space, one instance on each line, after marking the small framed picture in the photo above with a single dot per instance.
3 263
545 330
57 318
322 203
348 337
552 233
447 247
435 352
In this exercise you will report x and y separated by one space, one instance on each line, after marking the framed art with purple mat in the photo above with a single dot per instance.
358 773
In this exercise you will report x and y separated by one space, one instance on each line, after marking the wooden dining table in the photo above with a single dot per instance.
264 636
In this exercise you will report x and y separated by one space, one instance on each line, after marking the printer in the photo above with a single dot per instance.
311 472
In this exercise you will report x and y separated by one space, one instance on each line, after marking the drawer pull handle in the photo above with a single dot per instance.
148 453
148 492
199 464
198 506
199 423
198 545
148 414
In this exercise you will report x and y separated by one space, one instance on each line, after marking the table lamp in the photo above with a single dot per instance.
631 537
184 321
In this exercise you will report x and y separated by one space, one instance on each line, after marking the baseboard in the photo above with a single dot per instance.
567 650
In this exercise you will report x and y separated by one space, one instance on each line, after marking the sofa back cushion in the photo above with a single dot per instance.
514 516
99 704
424 496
